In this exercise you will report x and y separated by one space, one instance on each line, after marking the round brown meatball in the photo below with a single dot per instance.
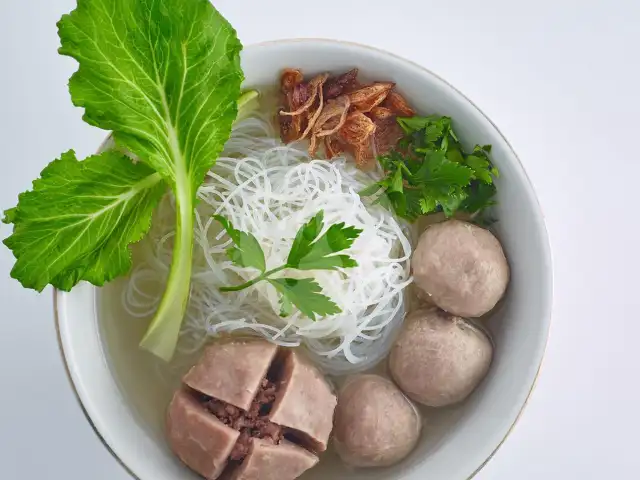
461 267
439 359
375 425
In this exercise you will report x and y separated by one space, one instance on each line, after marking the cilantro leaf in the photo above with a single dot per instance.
80 218
416 124
437 130
429 172
436 170
408 203
397 182
479 161
480 197
304 238
428 133
247 251
480 166
310 252
428 204
451 202
306 295
332 262
454 152
371 190
286 307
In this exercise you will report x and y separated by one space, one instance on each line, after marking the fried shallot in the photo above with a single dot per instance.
357 129
333 146
333 116
388 132
336 86
365 98
309 91
289 79
317 84
342 114
398 105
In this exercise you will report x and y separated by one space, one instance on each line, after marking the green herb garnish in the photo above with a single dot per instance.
429 172
310 251
165 77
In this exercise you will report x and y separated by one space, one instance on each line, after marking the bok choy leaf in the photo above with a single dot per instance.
164 76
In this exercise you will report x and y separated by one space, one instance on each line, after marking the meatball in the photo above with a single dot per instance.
236 405
462 268
375 424
439 359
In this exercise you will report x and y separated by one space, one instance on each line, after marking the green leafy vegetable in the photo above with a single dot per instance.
165 77
286 307
305 237
248 102
429 172
305 294
309 251
80 218
480 196
247 251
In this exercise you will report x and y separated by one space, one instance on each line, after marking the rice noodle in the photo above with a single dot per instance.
270 190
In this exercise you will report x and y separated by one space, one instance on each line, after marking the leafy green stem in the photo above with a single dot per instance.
162 335
259 278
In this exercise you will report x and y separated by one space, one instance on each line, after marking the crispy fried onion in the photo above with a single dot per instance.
289 130
358 132
300 97
365 98
333 116
364 156
357 129
333 146
341 113
289 79
388 132
330 120
381 114
398 105
307 91
316 84
344 83
295 94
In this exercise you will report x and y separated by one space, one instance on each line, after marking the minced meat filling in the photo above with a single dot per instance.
251 424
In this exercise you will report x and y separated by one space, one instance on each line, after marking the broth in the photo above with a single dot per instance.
148 384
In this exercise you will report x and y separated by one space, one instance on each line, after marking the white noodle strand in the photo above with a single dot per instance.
271 190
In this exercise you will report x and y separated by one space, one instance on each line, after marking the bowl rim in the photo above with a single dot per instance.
543 233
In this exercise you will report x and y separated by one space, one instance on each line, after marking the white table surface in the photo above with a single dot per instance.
561 78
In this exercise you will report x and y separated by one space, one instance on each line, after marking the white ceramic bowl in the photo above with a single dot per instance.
114 381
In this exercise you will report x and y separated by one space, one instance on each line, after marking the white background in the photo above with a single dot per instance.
560 78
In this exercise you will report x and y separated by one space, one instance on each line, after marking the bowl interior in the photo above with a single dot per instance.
117 383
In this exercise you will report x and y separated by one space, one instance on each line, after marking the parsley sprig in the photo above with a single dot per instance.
429 172
311 250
